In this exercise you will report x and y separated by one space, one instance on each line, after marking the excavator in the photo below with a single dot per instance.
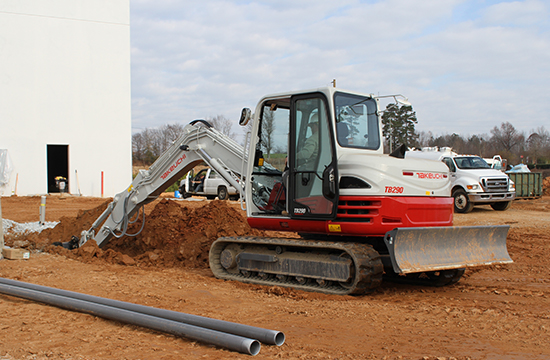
313 164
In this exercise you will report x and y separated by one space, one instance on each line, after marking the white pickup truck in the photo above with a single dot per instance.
206 182
473 181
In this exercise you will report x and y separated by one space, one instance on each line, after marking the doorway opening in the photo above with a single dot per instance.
58 167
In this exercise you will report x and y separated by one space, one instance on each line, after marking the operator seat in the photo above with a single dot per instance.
343 133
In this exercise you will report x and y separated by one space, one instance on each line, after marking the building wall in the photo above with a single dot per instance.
65 80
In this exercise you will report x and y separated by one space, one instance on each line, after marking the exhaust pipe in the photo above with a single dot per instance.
221 339
266 336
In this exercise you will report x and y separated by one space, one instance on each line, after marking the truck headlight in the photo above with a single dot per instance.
512 186
472 187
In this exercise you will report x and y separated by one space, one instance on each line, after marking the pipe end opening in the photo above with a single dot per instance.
254 347
279 339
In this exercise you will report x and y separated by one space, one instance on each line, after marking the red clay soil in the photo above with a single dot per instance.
546 186
174 235
496 312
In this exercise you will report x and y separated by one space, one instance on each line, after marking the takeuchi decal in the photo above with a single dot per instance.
173 167
433 176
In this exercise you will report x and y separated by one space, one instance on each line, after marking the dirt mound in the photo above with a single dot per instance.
67 227
173 235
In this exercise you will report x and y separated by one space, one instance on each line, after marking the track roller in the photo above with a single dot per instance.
326 267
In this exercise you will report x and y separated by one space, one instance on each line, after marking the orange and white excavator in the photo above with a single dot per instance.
313 164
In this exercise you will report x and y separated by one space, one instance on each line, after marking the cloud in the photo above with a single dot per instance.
521 13
466 67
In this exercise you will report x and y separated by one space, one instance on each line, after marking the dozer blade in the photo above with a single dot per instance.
414 250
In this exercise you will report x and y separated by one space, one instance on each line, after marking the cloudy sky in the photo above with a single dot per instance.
465 65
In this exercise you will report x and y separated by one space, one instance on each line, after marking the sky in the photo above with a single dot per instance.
465 65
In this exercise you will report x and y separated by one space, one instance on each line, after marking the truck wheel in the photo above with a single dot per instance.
501 206
462 204
222 193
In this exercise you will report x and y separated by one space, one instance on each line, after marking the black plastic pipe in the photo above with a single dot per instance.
218 338
271 337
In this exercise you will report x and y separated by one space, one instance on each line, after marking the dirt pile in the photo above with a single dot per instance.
546 186
173 235
68 226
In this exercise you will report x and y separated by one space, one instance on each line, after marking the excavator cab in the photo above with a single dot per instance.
313 190
297 173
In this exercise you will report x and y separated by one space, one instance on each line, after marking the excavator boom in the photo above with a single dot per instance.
199 143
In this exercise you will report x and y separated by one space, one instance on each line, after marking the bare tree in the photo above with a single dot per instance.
539 144
149 144
223 125
454 141
166 135
153 143
268 128
424 138
477 144
507 137
138 148
508 141
172 131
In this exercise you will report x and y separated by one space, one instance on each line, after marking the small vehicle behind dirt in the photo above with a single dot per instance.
209 183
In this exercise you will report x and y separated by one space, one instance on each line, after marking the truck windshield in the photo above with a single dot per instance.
356 121
471 162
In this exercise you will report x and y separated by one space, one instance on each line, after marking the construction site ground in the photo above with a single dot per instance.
495 312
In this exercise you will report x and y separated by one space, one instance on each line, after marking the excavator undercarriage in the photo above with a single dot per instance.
326 267
352 265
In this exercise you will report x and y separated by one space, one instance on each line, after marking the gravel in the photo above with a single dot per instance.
12 227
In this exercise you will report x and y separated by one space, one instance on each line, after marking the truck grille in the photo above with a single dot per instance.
499 184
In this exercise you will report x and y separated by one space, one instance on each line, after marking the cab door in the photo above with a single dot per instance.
313 170
452 168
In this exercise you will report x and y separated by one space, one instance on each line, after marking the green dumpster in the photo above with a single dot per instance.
528 185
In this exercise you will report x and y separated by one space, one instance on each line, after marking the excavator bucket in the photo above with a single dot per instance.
414 250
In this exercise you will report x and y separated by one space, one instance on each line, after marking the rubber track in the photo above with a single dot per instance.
368 266
445 278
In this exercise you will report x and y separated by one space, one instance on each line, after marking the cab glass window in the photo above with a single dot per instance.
450 164
356 121
272 147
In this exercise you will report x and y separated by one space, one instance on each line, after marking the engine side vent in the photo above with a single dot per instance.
351 182
357 210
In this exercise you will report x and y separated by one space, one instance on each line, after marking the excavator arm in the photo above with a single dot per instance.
199 143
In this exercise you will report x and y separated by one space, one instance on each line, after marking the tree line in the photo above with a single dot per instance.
517 147
398 128
149 144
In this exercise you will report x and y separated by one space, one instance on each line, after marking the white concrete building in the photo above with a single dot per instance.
65 106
